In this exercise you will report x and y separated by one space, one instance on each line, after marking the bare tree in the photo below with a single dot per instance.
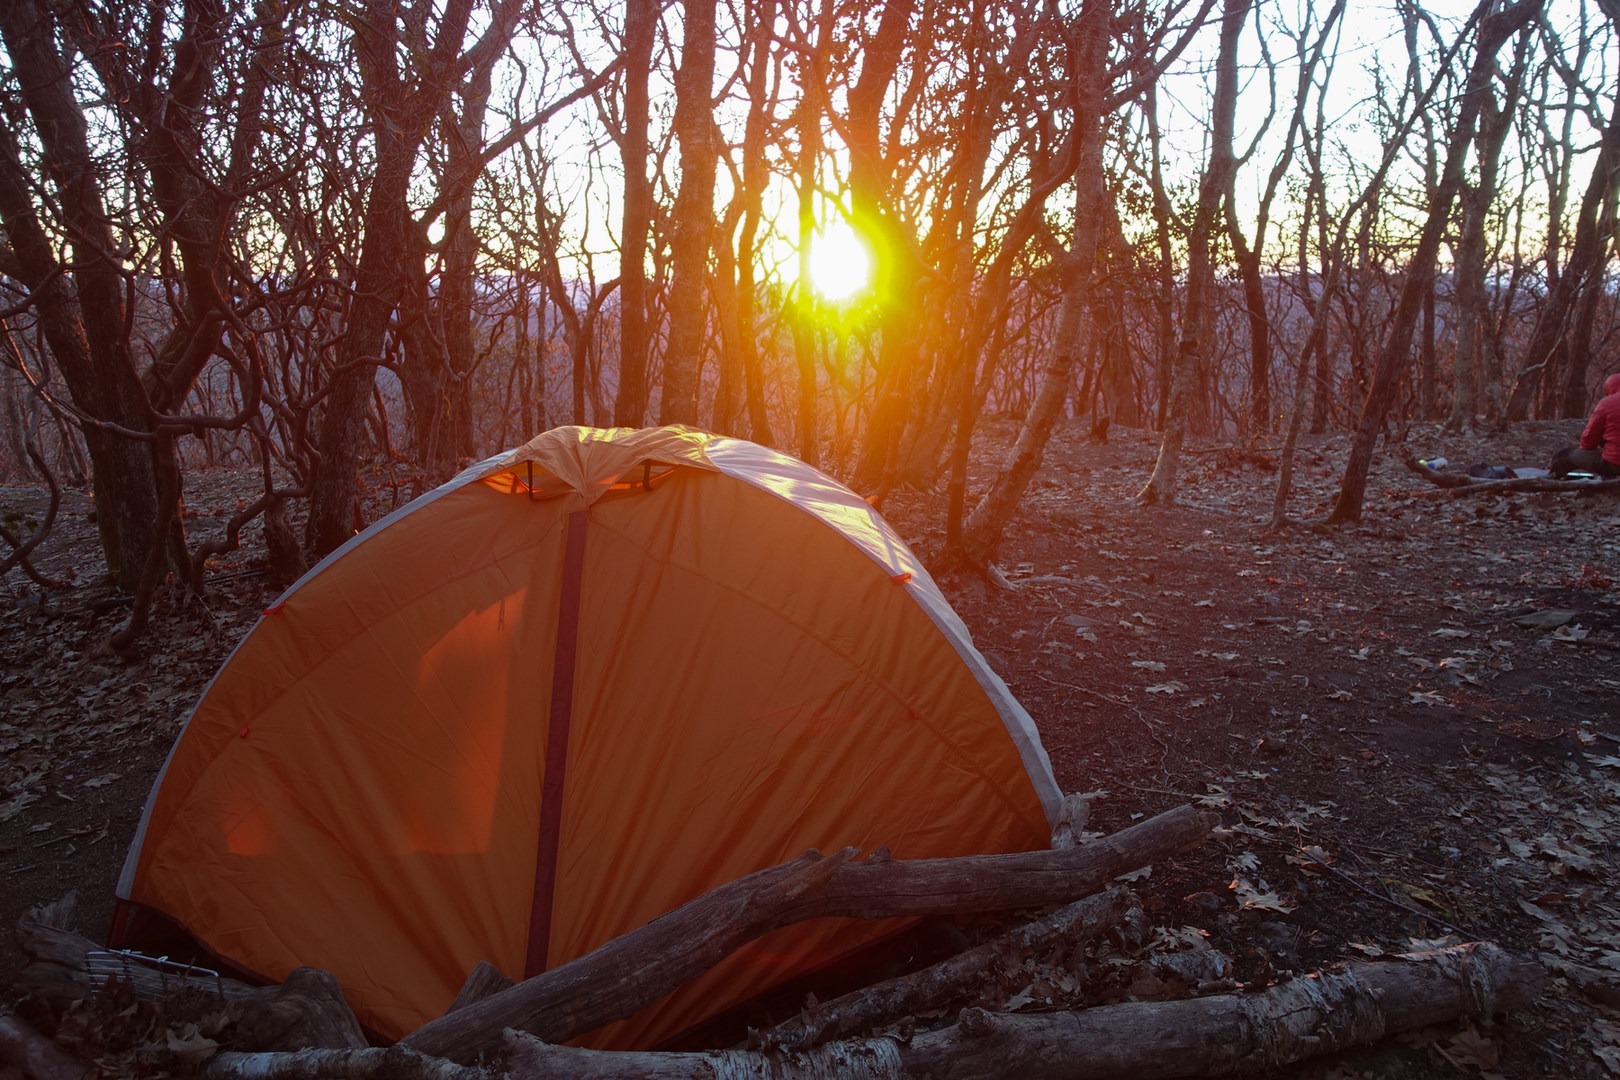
1560 340
1493 31
1476 343
640 26
69 247
401 103
694 209
1196 315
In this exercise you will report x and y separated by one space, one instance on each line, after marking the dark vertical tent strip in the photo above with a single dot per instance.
560 715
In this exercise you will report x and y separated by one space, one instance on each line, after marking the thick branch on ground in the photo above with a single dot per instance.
371 1063
484 979
907 995
307 1010
634 970
33 1055
1321 1013
1461 486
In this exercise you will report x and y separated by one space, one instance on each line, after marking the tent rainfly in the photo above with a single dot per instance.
582 683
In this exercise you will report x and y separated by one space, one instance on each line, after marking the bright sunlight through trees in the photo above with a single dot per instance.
840 264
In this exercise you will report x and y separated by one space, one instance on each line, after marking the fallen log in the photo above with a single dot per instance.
33 1055
370 1063
907 995
636 969
1322 1013
484 979
1457 485
308 1009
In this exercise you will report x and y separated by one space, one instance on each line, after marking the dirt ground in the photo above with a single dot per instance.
1398 758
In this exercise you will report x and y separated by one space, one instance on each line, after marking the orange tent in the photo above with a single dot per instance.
580 684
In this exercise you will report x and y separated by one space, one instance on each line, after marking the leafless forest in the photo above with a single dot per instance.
343 240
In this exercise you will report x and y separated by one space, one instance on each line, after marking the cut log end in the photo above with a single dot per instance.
1071 822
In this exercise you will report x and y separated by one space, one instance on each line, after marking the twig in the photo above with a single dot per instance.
1448 924
20 549
1147 721
1591 643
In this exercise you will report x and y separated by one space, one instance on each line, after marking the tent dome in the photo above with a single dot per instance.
578 685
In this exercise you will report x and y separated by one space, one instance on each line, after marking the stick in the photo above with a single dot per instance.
907 995
1321 1013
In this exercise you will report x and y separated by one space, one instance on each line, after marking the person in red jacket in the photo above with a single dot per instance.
1599 451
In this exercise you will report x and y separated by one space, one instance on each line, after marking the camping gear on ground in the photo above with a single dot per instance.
583 682
1486 470
1572 462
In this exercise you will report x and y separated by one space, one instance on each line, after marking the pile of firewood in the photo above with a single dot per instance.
109 1015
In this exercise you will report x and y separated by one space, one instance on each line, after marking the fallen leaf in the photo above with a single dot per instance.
16 804
1545 620
192 1047
1469 1048
1310 858
1253 897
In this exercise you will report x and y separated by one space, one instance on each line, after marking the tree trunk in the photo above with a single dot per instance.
1475 332
397 116
1550 346
630 405
1164 293
983 529
81 305
754 182
805 346
896 271
378 285
1254 304
1494 30
1197 315
694 214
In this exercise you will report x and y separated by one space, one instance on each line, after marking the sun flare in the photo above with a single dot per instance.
840 264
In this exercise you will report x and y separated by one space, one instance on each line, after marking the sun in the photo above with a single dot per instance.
840 264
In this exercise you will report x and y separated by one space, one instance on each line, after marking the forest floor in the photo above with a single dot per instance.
1398 758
